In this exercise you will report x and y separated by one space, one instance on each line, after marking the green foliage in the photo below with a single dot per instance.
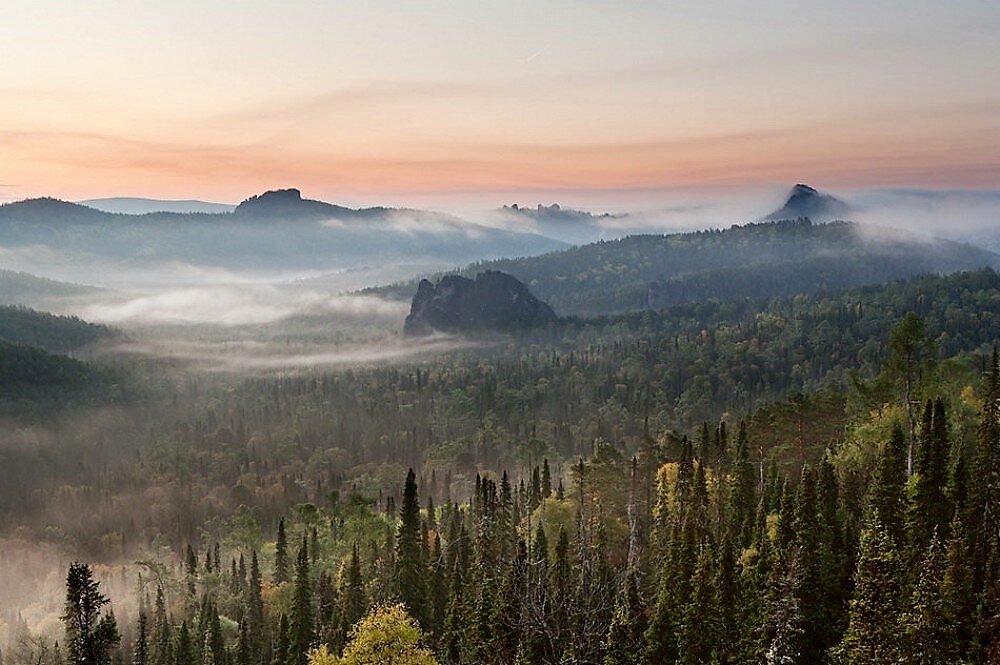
385 635
91 635
871 636
53 333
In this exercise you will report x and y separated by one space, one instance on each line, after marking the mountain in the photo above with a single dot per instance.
277 231
760 260
138 206
492 302
804 201
566 224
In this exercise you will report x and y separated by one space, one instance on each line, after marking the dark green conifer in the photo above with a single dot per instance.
281 554
410 571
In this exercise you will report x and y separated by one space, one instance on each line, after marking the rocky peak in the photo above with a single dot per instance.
493 302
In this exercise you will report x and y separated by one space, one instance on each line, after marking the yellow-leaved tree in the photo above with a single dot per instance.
387 635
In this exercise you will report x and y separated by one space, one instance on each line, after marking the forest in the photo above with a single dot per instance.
756 260
788 480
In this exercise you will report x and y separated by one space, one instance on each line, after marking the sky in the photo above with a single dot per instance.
364 101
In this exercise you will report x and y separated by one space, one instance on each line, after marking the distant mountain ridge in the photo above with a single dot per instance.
277 230
760 260
555 221
130 205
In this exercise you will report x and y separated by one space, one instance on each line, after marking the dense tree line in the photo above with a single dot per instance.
758 260
687 552
211 444
56 334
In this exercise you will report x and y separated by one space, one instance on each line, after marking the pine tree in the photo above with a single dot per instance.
90 635
411 582
546 479
281 554
871 637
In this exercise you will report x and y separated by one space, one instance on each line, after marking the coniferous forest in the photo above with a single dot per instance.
550 332
810 479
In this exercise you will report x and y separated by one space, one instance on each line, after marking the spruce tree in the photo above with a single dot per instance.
885 500
626 634
301 638
928 626
162 653
871 637
192 574
930 510
91 635
281 554
243 654
255 610
410 572
184 648
281 651
140 649
698 634
352 592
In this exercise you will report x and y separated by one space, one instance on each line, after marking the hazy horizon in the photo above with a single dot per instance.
451 105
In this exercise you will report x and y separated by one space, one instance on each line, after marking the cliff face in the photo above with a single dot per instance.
492 302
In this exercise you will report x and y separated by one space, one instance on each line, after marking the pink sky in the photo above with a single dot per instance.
367 101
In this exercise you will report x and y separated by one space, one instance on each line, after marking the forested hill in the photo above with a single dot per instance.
56 334
36 379
759 260
274 230
20 288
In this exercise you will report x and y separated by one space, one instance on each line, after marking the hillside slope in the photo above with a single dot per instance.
277 231
753 261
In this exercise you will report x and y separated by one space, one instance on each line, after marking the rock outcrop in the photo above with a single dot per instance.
805 201
493 302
